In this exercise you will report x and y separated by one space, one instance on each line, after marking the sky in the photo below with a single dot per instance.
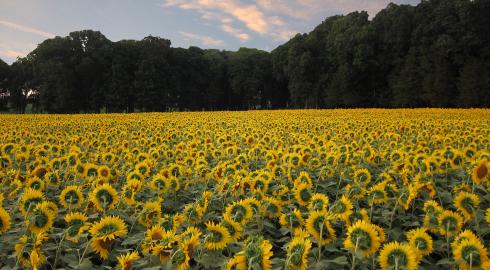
220 24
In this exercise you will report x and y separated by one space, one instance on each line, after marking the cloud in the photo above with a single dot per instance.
11 54
205 40
26 29
251 15
237 33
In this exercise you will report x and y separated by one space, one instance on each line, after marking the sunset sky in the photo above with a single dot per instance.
221 24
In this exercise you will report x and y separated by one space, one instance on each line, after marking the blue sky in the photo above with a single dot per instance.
221 24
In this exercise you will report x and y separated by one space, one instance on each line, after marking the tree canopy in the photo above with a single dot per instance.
435 54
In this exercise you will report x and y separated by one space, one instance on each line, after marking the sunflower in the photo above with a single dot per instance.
76 225
104 197
238 262
104 173
470 254
29 252
362 176
318 225
297 253
362 236
480 171
235 229
421 241
257 252
71 197
467 204
450 223
29 200
217 236
271 207
239 212
130 190
398 256
151 213
358 214
487 216
41 219
318 202
104 232
302 193
159 242
181 258
158 184
355 191
35 183
378 195
342 209
126 261
4 220
91 170
191 238
292 219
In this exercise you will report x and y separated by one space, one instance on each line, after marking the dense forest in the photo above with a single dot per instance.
436 54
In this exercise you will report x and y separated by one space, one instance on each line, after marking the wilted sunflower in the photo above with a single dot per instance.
126 261
29 252
76 225
297 253
71 197
4 220
104 197
467 204
217 236
480 171
421 241
398 256
362 236
318 225
470 254
104 232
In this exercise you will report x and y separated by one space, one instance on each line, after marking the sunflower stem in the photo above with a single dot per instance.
320 242
354 254
394 210
83 254
58 249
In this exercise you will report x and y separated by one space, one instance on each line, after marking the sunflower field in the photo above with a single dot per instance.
306 189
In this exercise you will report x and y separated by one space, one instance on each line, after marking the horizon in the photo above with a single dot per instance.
223 25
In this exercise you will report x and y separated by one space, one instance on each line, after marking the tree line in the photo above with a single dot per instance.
435 54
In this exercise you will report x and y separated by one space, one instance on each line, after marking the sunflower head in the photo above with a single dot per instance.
104 232
41 219
450 223
126 261
217 236
398 256
302 193
297 253
71 197
467 204
77 224
4 220
420 240
258 251
470 252
104 197
30 199
362 236
318 225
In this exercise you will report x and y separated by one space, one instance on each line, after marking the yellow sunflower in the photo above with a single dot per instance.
421 241
35 183
28 250
29 199
257 251
217 236
318 202
104 173
271 207
158 184
126 261
450 223
362 236
71 197
398 256
104 232
470 254
159 242
318 225
467 204
4 220
181 258
239 212
41 219
130 190
362 176
238 262
302 193
297 253
104 197
235 229
292 219
342 209
76 225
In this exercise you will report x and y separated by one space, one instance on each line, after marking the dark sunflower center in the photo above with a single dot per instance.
71 197
421 243
482 171
107 229
40 220
238 212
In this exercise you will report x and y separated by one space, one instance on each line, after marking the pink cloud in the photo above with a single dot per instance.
237 33
26 29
